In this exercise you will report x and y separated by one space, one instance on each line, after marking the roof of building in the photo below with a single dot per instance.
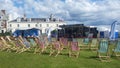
36 20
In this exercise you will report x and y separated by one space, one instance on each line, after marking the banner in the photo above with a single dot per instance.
112 31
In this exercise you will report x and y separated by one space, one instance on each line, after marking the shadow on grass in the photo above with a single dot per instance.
94 58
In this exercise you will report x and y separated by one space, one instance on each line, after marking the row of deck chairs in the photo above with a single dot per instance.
102 47
20 44
62 44
86 43
41 44
103 51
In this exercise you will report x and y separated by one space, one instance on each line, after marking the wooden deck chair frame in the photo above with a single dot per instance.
40 46
19 46
46 42
103 50
85 43
74 49
12 42
32 42
1 45
64 43
6 46
116 50
24 47
94 44
55 47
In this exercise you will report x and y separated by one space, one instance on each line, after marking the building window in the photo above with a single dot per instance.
28 25
18 25
36 25
40 25
10 25
57 25
2 31
40 31
47 25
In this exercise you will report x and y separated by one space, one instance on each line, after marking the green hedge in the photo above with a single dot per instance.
5 34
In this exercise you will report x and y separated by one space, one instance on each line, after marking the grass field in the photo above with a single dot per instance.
87 59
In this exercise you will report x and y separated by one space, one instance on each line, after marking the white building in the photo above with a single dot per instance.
3 21
40 23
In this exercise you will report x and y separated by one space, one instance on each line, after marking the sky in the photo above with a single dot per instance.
88 12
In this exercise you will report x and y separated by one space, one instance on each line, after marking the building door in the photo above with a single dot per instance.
2 31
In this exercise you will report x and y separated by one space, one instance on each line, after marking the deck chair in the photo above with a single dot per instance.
12 42
64 42
46 41
85 44
103 51
25 44
116 50
1 45
74 49
94 44
18 44
40 46
6 46
32 42
55 48
80 41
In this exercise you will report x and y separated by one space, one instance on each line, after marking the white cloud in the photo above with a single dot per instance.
8 5
87 11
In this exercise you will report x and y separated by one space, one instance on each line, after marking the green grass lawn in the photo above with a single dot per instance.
86 59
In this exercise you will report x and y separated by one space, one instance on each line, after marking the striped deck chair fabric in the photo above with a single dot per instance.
56 47
46 42
94 44
103 50
32 42
40 46
74 49
116 50
24 43
18 44
85 43
64 42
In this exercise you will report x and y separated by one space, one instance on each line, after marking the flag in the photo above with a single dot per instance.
112 31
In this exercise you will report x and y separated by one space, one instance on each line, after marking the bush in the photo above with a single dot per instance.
5 34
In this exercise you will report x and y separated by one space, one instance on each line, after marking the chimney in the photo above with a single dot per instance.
3 11
51 17
24 16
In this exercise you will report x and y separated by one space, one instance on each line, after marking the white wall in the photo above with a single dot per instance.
24 25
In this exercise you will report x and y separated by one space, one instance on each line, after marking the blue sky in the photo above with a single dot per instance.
89 12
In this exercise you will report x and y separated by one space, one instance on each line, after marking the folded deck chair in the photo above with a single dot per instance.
55 48
12 42
94 44
116 50
6 46
25 44
74 49
103 50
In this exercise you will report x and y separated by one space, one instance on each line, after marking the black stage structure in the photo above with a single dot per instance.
76 31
